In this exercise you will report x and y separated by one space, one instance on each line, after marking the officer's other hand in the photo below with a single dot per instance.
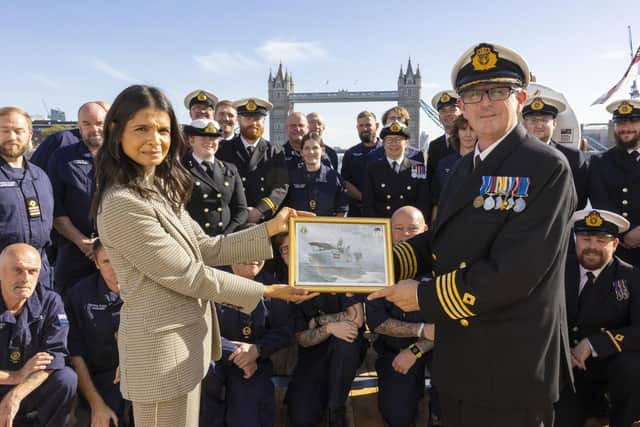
102 415
403 361
580 353
345 330
404 294
288 293
280 222
244 355
37 362
249 370
9 407
632 238
254 215
116 378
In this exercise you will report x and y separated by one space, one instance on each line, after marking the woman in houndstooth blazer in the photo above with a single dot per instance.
168 332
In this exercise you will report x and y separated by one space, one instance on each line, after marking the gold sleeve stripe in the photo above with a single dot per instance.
615 343
464 307
443 303
270 204
401 263
413 260
455 306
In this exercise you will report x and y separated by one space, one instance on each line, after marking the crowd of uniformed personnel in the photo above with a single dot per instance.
240 178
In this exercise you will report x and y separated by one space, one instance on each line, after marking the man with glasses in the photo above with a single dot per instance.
446 103
539 113
200 104
614 176
497 259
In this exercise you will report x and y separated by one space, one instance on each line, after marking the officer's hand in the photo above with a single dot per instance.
356 314
345 330
403 361
581 353
9 407
632 238
37 362
280 223
86 247
244 355
102 415
288 293
404 294
254 215
249 370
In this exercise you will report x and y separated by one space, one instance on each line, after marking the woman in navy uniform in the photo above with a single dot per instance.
217 202
237 390
603 315
314 186
93 307
462 140
26 196
395 180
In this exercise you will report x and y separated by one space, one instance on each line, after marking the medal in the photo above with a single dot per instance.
478 202
520 205
489 203
522 192
246 331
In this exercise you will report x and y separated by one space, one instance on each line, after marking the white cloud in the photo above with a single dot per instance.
111 71
614 54
46 81
224 61
290 51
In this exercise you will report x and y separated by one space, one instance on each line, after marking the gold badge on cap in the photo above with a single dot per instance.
395 127
14 357
251 105
625 108
484 58
211 128
537 104
445 98
201 96
593 219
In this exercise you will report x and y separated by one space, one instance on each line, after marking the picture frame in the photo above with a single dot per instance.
343 255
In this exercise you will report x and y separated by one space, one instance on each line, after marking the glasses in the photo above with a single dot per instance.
542 120
500 93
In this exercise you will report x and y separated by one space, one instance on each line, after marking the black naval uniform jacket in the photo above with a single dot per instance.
438 150
384 191
217 203
614 185
497 294
609 314
579 170
264 175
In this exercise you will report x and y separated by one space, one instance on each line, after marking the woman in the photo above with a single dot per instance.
217 202
395 180
314 186
463 141
168 333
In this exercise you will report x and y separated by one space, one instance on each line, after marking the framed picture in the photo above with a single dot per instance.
329 254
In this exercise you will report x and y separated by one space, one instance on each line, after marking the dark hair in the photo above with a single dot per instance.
454 139
114 167
311 136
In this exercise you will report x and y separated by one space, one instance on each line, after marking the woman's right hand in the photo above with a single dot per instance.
280 222
288 293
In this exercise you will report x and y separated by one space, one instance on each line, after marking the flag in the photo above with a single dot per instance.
614 89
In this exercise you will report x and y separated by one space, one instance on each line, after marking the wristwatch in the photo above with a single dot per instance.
416 351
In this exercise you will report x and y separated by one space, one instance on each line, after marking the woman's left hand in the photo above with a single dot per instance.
280 223
288 293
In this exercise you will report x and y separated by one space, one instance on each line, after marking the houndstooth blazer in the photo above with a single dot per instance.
168 332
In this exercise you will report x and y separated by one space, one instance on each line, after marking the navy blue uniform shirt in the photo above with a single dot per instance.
321 192
41 156
294 158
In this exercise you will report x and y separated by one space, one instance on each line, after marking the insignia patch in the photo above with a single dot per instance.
62 319
537 104
445 98
6 184
246 331
593 219
251 105
625 108
484 58
201 96
15 356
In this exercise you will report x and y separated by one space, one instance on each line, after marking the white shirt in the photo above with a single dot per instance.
246 144
584 278
399 162
489 149
199 160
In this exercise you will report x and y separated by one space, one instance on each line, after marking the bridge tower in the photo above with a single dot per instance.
409 87
280 87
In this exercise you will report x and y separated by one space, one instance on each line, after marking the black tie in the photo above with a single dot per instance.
588 288
394 166
208 167
250 150
477 161
635 155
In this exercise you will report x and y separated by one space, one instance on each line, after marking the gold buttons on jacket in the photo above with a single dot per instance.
383 185
388 196
464 323
219 209
463 265
219 195
197 183
625 202
207 225
220 224
388 208
205 196
205 210
226 184
433 255
625 190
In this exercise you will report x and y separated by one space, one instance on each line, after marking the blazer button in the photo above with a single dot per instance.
244 179
388 196
262 178
205 196
433 255
219 195
226 184
401 197
575 329
261 188
388 208
383 185
575 342
463 265
624 214
408 187
205 210
625 190
207 225
219 209
220 224
197 183
624 202
464 322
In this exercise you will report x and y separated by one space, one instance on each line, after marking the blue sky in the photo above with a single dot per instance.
83 50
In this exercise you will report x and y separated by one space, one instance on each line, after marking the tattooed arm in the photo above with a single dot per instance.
398 328
354 313
313 336
345 330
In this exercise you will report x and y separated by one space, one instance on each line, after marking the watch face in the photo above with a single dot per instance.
415 350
